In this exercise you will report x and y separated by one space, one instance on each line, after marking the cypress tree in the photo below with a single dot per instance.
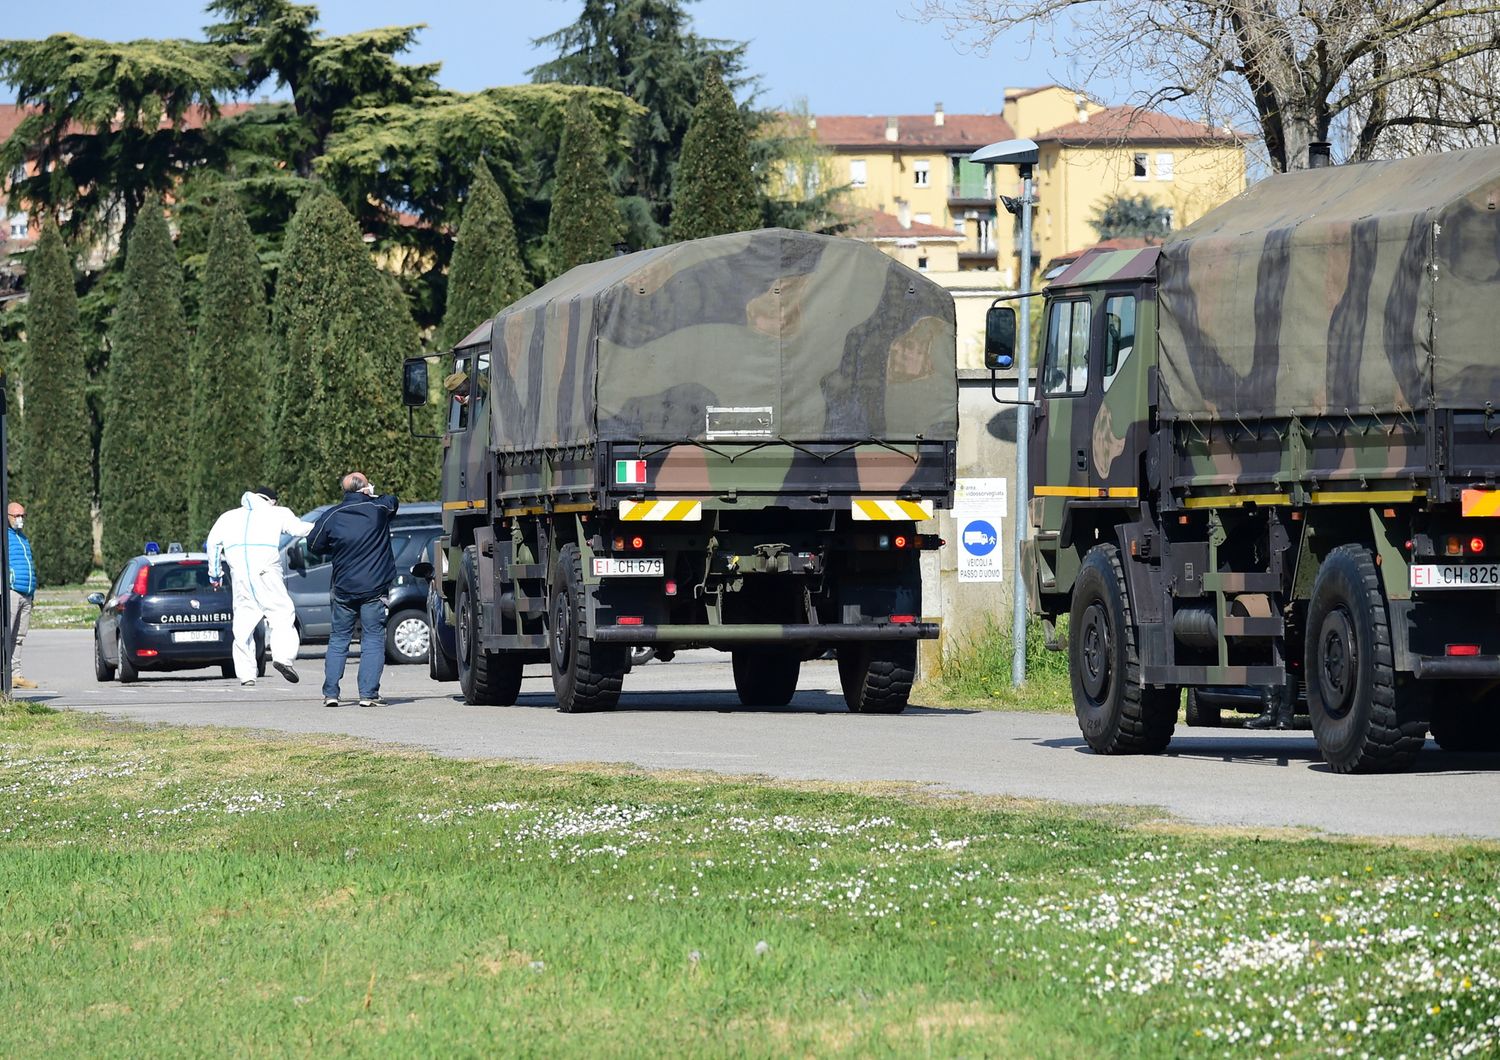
585 221
714 190
57 445
486 274
340 330
143 454
228 427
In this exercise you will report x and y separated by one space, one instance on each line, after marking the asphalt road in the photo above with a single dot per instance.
685 715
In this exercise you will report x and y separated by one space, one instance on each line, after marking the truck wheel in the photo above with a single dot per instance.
102 670
440 665
1465 726
586 676
766 677
1199 714
487 678
877 678
1115 714
128 671
1363 723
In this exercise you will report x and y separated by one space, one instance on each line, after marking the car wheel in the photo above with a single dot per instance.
103 671
1200 714
407 637
440 665
642 654
127 671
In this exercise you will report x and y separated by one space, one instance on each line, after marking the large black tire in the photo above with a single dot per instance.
1462 723
127 669
1200 714
1363 722
407 637
1115 713
586 676
102 670
766 676
487 678
877 678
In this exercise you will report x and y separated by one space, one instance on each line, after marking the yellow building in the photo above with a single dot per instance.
915 167
1090 154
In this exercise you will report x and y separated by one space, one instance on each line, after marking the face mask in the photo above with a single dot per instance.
20 521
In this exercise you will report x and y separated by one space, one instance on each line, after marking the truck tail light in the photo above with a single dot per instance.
637 542
1476 545
1452 546
900 541
630 620
1461 649
671 587
903 620
619 544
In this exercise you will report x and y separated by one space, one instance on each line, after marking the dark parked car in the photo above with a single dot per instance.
310 578
161 613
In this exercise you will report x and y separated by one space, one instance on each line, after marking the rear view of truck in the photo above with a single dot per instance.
728 443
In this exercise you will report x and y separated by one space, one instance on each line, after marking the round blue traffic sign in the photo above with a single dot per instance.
979 538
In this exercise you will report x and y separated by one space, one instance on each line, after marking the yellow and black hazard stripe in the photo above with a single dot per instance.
1480 503
663 511
876 510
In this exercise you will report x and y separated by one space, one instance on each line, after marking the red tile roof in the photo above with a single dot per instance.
958 131
1133 124
876 225
11 116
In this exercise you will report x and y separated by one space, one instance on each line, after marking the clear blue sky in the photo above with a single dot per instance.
843 56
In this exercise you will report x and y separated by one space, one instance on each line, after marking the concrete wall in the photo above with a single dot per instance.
986 449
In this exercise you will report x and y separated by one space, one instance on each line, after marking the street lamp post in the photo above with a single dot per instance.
1024 155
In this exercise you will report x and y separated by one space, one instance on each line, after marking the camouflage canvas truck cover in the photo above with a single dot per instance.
1293 489
725 443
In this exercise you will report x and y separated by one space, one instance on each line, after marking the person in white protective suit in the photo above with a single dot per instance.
248 538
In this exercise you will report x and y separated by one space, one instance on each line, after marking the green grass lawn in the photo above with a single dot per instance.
66 606
977 673
189 892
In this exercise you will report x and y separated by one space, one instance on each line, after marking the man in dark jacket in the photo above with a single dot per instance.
355 533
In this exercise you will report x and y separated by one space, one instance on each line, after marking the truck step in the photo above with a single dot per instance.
1241 582
1245 626
525 570
1261 676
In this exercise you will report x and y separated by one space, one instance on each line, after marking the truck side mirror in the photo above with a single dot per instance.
1000 338
414 382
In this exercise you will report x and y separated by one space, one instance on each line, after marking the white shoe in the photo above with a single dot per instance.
248 684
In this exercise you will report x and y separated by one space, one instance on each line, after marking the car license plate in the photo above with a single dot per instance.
195 636
633 567
1455 576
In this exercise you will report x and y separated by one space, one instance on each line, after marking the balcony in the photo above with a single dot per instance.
971 193
978 251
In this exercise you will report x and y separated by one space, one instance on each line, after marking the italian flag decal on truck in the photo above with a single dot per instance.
630 472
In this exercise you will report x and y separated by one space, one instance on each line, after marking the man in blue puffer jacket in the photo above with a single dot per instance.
22 588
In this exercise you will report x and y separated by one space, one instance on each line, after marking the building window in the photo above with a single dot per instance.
922 263
921 174
1142 166
1164 166
19 227
857 172
792 175
922 218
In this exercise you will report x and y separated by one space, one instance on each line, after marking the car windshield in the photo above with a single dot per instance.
186 576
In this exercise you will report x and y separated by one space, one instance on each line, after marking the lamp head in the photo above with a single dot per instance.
1008 153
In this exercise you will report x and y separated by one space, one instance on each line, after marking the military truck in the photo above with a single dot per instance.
1265 454
726 443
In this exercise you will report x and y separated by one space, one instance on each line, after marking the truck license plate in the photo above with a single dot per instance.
195 636
1455 576
634 567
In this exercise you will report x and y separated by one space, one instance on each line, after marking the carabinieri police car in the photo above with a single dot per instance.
162 613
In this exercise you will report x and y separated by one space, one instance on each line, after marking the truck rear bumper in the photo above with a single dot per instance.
759 633
1451 666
